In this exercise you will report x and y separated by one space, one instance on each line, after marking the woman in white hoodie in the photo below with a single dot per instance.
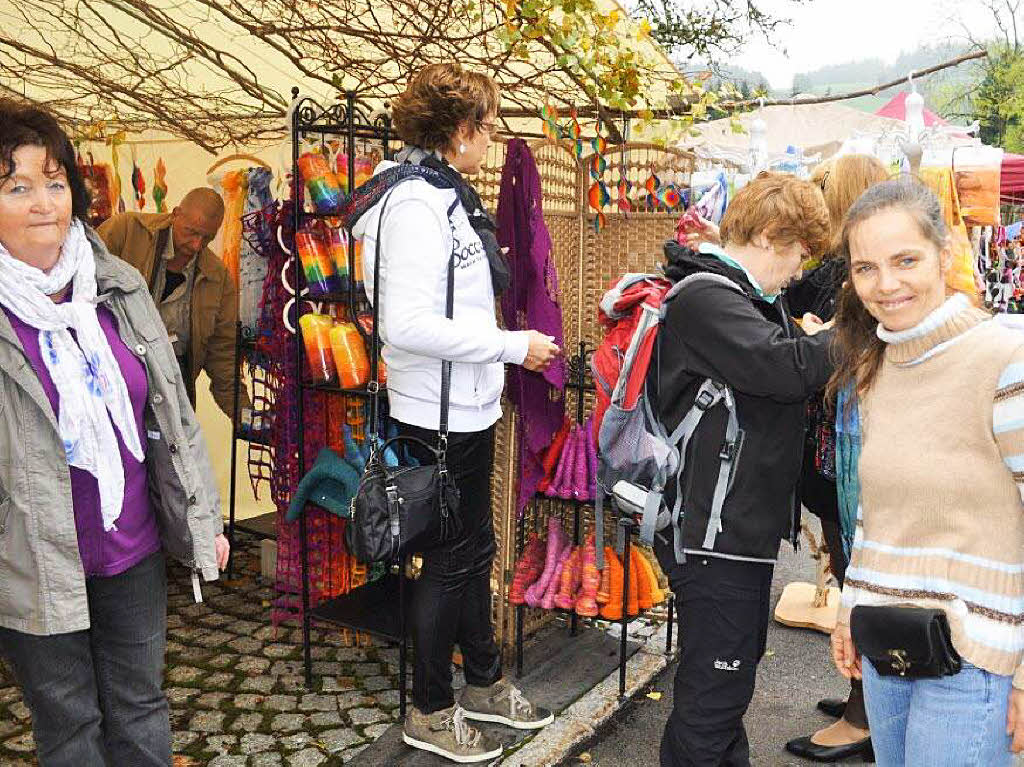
446 117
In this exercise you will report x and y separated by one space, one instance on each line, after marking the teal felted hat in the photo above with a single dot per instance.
332 482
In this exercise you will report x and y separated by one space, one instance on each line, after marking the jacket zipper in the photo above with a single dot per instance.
794 502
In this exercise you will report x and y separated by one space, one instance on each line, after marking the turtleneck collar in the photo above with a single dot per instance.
944 326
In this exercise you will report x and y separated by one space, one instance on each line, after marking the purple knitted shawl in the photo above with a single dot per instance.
530 303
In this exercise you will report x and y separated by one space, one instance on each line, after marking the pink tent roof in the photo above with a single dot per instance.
1011 182
897 108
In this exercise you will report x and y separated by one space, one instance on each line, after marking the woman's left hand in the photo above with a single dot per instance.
223 549
1015 720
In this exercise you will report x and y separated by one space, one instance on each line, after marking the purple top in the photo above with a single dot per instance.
136 535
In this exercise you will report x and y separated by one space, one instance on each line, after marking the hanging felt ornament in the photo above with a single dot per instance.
652 185
597 165
598 197
669 196
574 133
622 196
160 186
138 183
549 119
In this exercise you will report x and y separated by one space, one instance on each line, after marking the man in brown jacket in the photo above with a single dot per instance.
192 288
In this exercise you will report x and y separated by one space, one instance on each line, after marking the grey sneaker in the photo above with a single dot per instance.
503 702
447 734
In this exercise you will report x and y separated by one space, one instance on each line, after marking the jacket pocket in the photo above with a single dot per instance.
5 509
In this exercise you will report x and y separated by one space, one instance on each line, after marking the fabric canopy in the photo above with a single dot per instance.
897 109
1011 178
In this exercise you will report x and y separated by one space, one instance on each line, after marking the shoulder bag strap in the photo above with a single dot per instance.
446 365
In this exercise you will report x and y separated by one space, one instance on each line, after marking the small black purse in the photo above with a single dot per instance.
399 510
912 642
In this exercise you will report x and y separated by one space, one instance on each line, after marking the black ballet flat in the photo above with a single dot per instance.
805 749
834 707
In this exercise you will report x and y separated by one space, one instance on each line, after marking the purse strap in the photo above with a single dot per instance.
446 365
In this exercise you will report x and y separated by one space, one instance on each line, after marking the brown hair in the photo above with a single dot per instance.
842 180
783 207
24 124
858 351
439 98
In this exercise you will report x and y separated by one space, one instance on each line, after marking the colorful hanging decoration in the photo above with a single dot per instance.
160 186
598 196
669 196
622 196
138 183
652 184
116 201
574 133
234 189
549 119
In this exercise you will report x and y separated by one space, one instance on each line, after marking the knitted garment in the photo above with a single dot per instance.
942 482
530 303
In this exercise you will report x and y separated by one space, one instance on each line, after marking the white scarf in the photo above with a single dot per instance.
86 374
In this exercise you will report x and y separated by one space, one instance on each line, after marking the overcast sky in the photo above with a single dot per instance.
835 31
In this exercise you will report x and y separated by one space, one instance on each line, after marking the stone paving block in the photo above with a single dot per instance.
340 739
174 621
255 742
287 722
216 621
350 654
285 667
19 711
374 731
375 683
387 698
266 760
220 681
215 639
291 682
314 702
339 683
207 721
22 743
361 716
326 719
326 668
352 753
7 727
182 739
249 664
220 744
266 634
258 684
212 699
248 701
248 722
174 648
184 674
224 660
241 627
195 610
319 652
366 669
308 757
295 742
354 698
246 645
226 760
279 650
281 702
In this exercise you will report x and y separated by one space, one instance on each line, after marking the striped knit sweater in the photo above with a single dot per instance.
941 516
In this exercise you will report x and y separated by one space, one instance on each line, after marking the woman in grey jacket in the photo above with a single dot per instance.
102 468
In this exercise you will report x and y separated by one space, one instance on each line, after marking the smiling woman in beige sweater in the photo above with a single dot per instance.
940 387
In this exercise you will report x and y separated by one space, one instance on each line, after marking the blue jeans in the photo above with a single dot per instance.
96 696
952 721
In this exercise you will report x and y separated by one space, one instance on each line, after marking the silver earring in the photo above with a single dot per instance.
462 148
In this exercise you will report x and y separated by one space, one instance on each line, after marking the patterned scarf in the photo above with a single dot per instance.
413 161
93 395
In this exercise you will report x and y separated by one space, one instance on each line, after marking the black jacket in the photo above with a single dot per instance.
772 367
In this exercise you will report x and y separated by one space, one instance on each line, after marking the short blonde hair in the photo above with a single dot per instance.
438 99
842 180
783 208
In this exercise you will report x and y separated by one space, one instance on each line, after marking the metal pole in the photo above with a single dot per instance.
625 612
234 454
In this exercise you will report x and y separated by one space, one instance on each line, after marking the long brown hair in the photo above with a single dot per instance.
857 350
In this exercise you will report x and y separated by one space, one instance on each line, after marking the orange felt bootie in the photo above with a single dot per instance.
644 598
590 579
657 595
612 609
603 591
565 599
659 574
527 570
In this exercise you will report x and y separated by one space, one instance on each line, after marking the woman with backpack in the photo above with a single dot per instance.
446 116
728 324
939 387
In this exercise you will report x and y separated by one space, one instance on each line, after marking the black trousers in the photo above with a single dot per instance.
451 600
723 612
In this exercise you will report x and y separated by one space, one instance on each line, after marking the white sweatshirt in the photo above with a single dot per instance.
416 242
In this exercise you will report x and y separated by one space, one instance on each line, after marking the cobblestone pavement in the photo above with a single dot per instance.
235 684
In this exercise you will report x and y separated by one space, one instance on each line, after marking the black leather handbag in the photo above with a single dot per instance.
399 510
912 642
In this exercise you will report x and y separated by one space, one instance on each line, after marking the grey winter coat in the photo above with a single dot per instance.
42 583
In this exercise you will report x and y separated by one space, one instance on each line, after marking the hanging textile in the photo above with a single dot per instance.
961 274
530 303
252 265
233 190
977 172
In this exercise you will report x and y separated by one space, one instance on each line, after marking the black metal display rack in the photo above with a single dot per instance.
579 384
376 608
